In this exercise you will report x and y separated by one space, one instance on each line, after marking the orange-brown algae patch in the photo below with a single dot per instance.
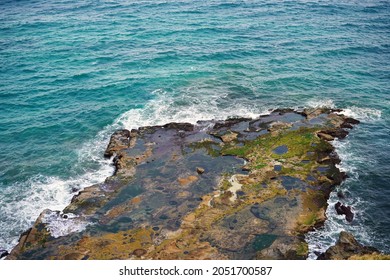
131 244
187 180
187 246
136 200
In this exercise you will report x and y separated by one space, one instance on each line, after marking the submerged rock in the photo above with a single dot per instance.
347 247
267 183
341 194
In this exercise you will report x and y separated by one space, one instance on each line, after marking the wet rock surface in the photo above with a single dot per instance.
344 210
235 189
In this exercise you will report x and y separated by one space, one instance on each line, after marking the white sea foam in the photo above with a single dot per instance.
360 113
166 108
348 158
315 103
363 114
23 202
61 225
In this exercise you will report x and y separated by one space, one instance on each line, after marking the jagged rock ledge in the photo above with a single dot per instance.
348 248
235 189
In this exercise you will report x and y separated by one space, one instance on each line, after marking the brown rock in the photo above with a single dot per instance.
346 247
229 137
139 252
200 170
74 256
336 133
344 210
119 140
314 112
325 136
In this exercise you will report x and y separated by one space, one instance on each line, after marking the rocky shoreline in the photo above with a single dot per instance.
348 248
235 189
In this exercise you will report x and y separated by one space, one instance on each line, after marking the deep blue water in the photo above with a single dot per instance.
71 72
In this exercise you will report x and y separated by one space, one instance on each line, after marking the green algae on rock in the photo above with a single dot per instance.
235 189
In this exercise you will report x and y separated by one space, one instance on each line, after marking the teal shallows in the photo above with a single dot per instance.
71 73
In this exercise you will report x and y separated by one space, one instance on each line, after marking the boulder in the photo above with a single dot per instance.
200 170
344 210
335 133
325 136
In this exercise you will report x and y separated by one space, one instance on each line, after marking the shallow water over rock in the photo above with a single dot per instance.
280 150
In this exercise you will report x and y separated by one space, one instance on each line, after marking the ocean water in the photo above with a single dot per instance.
72 72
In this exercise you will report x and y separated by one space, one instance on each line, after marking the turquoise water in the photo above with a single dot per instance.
71 72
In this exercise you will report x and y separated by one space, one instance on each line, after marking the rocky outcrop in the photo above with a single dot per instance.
347 247
344 210
119 140
235 189
35 237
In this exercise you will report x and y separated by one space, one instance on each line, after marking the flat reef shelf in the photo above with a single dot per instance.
234 189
